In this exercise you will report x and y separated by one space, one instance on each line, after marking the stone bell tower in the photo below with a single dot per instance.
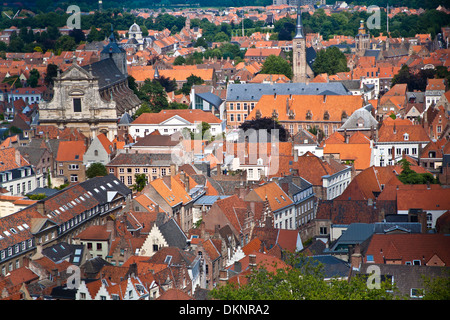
299 64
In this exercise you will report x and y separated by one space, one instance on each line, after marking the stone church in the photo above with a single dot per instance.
93 97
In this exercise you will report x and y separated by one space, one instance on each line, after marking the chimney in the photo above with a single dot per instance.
252 261
346 137
223 276
285 187
56 277
356 258
40 207
381 215
237 266
110 227
422 218
17 157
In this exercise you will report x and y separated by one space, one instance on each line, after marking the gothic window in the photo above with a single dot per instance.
76 105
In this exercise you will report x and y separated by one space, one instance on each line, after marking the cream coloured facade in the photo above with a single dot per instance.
77 103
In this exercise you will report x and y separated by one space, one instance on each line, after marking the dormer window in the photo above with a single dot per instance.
308 115
406 137
326 116
275 114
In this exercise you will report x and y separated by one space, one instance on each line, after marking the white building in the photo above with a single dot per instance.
171 121
397 138
16 174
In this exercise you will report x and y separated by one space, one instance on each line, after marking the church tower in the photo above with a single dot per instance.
299 64
362 40
117 53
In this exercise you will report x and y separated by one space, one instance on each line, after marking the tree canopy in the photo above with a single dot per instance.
96 169
302 279
268 124
277 65
409 176
330 61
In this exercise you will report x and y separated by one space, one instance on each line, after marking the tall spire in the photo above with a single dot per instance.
299 33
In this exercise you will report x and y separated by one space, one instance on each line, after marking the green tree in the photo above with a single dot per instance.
302 279
65 43
154 94
437 288
409 176
38 196
34 78
267 124
140 182
144 108
180 60
96 169
190 81
221 37
201 42
52 72
330 61
276 65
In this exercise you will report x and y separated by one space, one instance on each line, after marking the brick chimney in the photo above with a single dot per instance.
252 261
356 258
17 157
223 276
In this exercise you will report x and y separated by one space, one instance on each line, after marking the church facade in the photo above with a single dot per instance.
91 98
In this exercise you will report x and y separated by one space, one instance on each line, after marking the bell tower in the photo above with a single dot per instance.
299 64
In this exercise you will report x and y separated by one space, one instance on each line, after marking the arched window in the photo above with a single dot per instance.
96 153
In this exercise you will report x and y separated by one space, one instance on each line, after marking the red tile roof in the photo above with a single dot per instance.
71 151
409 247
428 199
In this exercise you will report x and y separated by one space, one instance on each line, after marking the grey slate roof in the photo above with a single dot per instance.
33 154
140 159
332 266
357 233
208 200
63 251
126 119
295 186
107 72
172 233
46 191
103 194
254 91
211 98
364 114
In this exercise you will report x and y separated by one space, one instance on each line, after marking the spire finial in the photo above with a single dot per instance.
299 32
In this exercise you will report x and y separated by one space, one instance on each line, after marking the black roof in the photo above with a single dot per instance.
173 234
106 71
100 187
